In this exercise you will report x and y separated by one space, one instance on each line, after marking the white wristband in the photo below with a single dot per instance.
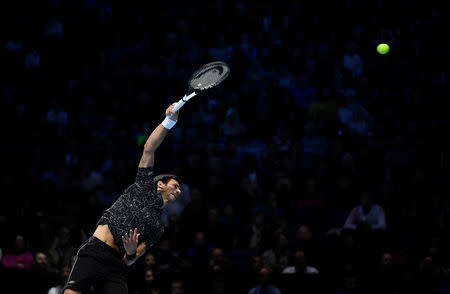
168 123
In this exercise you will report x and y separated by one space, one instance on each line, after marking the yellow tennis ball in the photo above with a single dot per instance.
383 48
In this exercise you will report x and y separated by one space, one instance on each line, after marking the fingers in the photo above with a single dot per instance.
132 236
170 111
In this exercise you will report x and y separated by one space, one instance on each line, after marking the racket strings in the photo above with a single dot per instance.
209 76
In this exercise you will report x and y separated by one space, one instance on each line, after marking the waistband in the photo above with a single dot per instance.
98 245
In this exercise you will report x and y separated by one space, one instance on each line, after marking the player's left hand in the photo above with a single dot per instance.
130 241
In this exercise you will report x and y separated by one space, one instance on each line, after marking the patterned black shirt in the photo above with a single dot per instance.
139 206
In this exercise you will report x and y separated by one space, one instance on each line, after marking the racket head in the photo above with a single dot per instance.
209 75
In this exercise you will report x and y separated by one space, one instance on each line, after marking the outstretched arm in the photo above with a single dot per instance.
155 139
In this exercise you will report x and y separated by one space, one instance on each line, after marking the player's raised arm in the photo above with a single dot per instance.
157 136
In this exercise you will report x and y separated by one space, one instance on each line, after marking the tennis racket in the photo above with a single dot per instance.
206 77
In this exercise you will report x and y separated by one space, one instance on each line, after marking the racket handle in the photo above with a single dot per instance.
183 101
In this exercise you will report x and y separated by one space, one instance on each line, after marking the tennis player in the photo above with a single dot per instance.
129 227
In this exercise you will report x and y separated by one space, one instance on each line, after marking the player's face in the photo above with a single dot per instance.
171 190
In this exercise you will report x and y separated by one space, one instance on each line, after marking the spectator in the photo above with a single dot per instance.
388 280
62 250
312 145
278 257
166 260
220 273
19 258
352 61
177 287
367 215
354 116
16 264
231 128
265 285
42 275
300 276
349 285
64 273
310 198
217 233
300 265
148 285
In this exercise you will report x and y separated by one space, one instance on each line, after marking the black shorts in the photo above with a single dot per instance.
100 266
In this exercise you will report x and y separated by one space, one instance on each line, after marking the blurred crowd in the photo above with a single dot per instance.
318 166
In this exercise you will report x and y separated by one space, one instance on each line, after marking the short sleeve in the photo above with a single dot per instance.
144 177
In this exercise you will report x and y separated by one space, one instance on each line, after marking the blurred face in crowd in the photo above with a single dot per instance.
264 276
64 235
300 259
218 256
149 277
164 245
256 262
283 241
41 259
213 215
65 273
20 242
177 288
149 260
386 259
303 233
199 239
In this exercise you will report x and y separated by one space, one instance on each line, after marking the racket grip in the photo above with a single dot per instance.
178 105
183 101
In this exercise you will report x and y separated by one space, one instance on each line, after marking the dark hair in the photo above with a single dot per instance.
165 178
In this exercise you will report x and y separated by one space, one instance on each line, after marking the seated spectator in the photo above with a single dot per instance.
200 253
249 278
148 284
387 277
216 231
352 61
354 115
166 260
231 127
246 48
265 286
300 277
312 145
176 287
42 276
300 265
349 284
15 265
303 93
367 215
62 249
19 258
220 273
310 198
64 273
278 257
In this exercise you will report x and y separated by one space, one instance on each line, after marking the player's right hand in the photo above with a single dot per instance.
170 111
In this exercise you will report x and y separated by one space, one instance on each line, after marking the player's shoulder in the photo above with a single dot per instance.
144 175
